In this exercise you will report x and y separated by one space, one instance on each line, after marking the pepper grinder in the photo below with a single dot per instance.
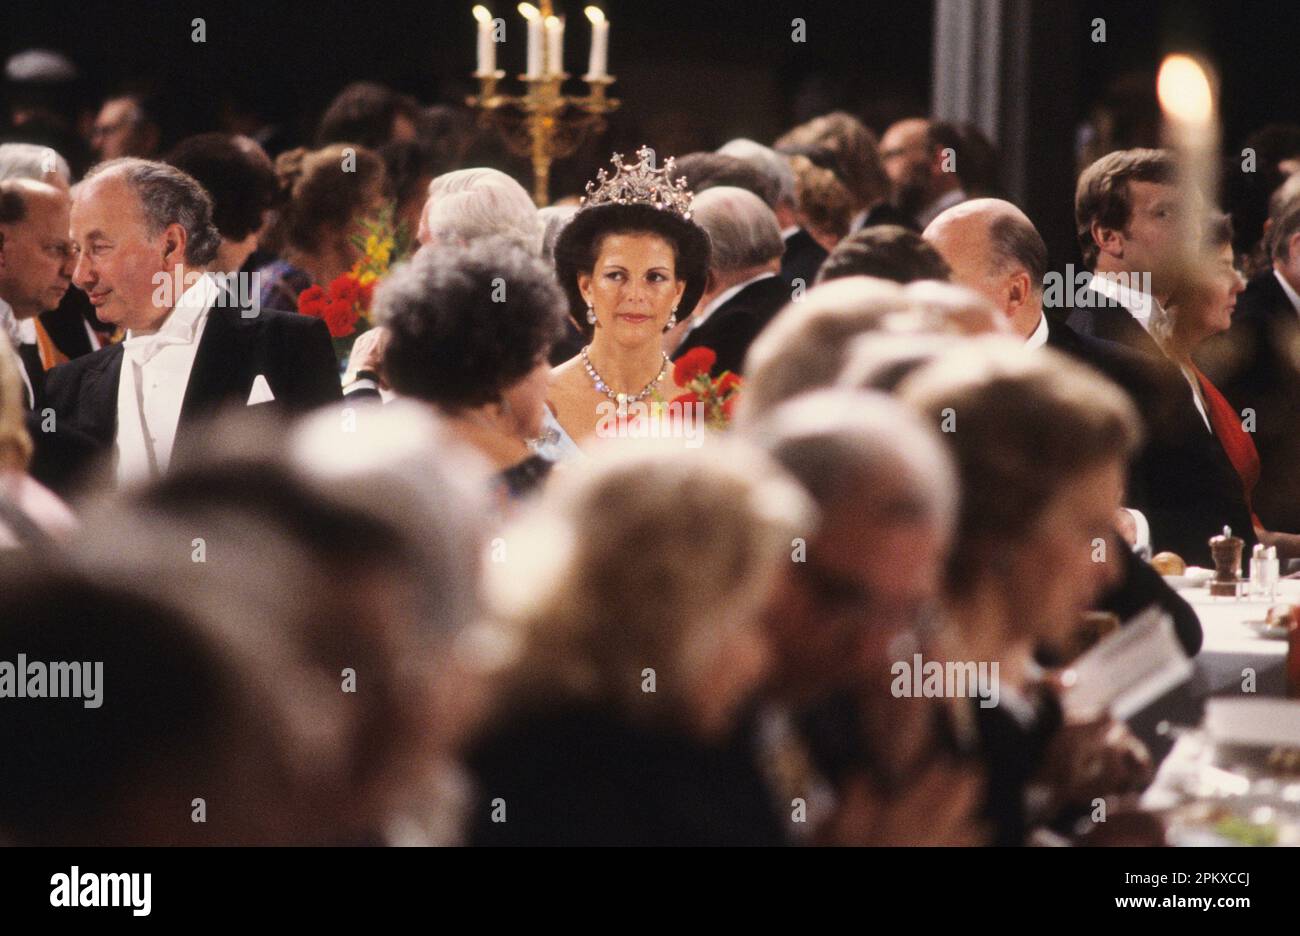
1225 549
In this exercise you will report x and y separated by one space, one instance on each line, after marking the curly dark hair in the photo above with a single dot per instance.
579 243
238 175
467 323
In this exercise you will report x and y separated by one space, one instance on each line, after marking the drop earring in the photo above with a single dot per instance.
672 320
591 315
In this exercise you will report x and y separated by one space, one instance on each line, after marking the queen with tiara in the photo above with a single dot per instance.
631 263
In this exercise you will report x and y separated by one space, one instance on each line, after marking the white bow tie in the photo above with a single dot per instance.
140 349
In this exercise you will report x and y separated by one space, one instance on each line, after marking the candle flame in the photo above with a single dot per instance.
529 11
1183 88
482 14
552 22
595 14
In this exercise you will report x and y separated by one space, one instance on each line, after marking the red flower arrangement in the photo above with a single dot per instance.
344 305
691 373
341 306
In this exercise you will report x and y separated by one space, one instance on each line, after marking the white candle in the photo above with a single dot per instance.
599 61
535 37
487 49
1186 89
554 45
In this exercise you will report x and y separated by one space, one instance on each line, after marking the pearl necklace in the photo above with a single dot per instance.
622 399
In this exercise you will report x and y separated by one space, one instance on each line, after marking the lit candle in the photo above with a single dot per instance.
554 45
599 61
1185 89
535 36
487 49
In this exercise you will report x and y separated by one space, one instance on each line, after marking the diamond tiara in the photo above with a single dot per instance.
641 184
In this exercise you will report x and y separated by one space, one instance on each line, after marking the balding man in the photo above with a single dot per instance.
143 236
744 291
924 181
35 271
994 249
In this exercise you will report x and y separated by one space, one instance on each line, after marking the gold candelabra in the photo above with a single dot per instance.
543 124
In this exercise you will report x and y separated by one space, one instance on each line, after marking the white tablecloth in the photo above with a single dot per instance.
1230 649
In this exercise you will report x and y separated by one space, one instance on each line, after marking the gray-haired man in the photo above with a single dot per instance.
143 236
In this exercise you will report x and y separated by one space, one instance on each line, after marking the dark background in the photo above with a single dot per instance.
691 74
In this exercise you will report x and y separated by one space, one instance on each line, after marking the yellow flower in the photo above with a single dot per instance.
367 278
372 244
380 256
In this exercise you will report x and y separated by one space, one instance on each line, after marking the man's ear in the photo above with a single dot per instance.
1019 289
1292 246
173 241
1108 240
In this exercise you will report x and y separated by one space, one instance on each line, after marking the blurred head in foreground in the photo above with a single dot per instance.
1041 444
871 570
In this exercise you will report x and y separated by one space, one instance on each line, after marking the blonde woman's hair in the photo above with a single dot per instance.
15 443
825 203
1028 423
639 562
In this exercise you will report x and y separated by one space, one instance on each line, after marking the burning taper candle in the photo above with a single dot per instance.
487 49
535 39
1187 91
597 65
554 45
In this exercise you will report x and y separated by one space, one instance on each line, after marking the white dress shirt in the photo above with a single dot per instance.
703 315
1145 310
1292 296
1038 339
155 373
19 333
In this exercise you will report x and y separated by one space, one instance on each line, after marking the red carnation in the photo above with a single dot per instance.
685 399
340 317
729 406
692 364
726 382
311 301
345 288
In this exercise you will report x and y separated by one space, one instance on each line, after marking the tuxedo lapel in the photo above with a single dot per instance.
30 356
99 394
221 371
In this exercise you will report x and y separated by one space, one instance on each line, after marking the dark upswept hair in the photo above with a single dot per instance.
579 243
363 112
886 251
238 175
467 323
316 192
1102 193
